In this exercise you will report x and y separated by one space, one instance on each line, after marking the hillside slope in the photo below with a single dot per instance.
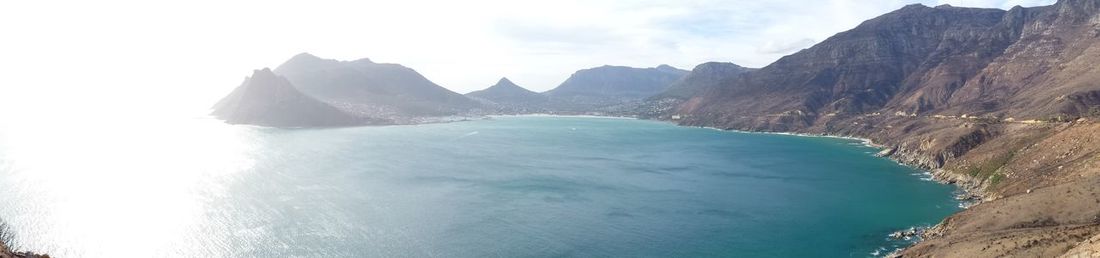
270 100
507 97
372 89
604 86
1002 103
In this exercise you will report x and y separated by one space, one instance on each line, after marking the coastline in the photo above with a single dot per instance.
968 197
560 115
973 191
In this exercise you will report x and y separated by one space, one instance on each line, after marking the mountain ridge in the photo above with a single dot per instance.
599 88
1002 103
615 81
377 89
702 77
270 100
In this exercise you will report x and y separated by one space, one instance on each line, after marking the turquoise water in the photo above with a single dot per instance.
505 187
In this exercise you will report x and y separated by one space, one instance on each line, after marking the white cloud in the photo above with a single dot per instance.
113 55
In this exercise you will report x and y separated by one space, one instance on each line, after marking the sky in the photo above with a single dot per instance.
94 58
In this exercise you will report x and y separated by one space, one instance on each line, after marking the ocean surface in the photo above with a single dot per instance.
504 187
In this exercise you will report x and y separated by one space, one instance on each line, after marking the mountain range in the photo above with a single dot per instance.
1024 63
1002 103
363 92
603 86
372 89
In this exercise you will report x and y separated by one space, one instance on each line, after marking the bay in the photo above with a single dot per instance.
528 186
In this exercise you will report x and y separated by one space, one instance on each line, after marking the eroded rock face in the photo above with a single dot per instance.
270 100
1027 63
988 99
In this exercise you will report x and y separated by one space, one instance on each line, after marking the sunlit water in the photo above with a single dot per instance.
505 187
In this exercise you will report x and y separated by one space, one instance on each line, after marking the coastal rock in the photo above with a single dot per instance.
907 234
885 152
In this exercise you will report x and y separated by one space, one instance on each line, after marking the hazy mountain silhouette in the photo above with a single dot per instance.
507 97
611 85
270 100
372 89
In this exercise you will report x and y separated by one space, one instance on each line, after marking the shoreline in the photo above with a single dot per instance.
567 116
966 199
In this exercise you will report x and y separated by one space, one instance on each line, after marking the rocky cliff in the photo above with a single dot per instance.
1026 63
1002 103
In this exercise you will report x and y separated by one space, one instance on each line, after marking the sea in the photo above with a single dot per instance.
513 186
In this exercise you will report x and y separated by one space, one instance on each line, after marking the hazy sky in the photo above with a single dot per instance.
76 57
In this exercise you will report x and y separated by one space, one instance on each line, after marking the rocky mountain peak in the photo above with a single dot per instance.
266 98
617 82
304 56
665 67
1077 11
363 61
717 66
704 77
916 7
1078 3
265 77
508 97
505 83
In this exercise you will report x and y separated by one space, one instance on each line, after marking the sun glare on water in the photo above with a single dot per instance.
102 189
